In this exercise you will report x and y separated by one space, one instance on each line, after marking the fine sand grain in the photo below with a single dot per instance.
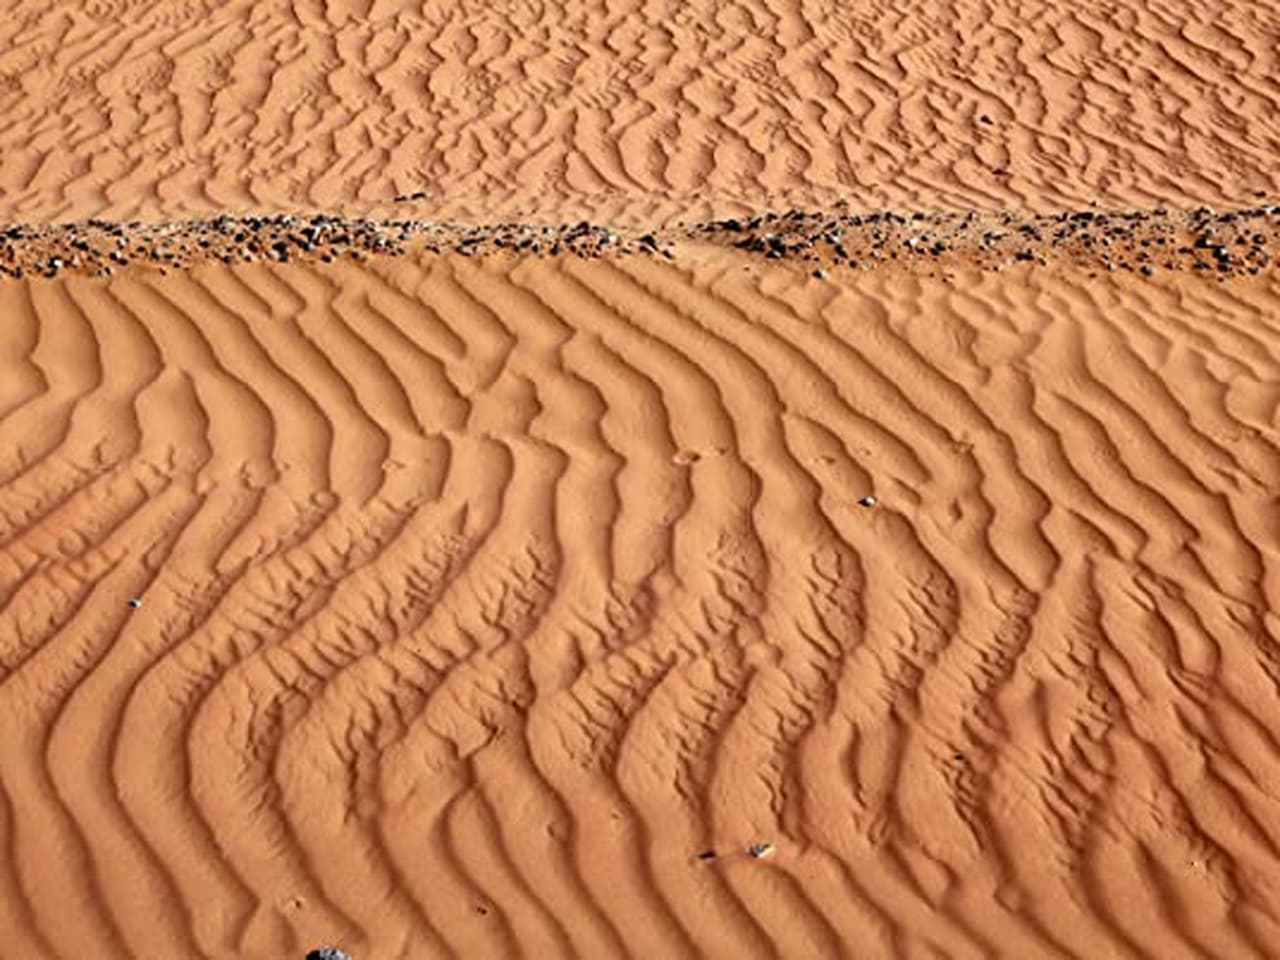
772 480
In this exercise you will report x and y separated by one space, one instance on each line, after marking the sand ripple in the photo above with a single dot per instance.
652 110
483 601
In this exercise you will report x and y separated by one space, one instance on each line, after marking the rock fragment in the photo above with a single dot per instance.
328 953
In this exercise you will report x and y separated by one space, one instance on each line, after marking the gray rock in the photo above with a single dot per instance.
328 953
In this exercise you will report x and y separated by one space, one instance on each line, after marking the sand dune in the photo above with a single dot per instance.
631 111
481 598
423 531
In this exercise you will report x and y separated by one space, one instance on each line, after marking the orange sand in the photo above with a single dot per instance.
495 606
653 111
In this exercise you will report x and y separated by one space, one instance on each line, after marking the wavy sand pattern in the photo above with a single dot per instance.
494 602
634 109
480 600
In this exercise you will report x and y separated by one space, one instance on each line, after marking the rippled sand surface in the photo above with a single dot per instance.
651 110
685 602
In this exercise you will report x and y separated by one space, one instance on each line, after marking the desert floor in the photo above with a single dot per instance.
732 479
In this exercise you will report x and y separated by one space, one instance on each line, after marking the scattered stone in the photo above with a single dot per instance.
1229 243
707 855
135 602
759 850
867 501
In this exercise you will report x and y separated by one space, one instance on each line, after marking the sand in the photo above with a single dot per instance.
649 111
729 570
